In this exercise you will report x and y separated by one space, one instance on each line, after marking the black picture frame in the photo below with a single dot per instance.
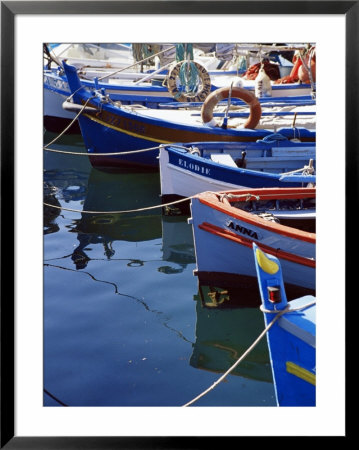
9 9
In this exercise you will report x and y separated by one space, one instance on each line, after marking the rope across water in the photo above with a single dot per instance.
259 338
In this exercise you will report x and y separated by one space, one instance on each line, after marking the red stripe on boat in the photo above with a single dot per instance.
220 232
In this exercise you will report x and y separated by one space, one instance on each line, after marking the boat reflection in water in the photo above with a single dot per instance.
116 192
152 262
130 190
228 322
177 243
224 331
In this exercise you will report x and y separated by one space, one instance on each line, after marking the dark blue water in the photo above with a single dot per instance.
125 321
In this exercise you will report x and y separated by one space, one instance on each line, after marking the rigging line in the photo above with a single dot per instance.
136 63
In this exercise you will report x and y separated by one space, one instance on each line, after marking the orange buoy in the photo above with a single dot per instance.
236 92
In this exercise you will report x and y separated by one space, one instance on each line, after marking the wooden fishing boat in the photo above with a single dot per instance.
188 169
128 90
132 87
281 221
109 127
292 338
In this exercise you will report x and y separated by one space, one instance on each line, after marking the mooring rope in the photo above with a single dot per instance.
279 314
146 208
70 124
104 154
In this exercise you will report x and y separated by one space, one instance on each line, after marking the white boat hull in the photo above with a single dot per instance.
184 183
223 245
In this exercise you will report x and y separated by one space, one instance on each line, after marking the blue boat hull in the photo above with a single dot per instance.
291 339
293 365
114 129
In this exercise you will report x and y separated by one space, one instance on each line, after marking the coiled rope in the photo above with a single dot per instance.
259 338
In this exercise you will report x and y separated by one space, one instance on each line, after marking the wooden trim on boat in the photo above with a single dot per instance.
151 129
211 199
220 232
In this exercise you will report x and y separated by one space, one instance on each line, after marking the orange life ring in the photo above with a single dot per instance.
237 92
182 97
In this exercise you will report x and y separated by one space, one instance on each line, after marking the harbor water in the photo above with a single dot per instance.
125 321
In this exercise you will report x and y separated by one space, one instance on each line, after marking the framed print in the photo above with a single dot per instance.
110 338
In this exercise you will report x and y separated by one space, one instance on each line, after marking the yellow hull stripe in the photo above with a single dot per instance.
130 133
299 372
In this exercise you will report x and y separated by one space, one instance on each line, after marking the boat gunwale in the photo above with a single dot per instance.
211 200
275 176
158 124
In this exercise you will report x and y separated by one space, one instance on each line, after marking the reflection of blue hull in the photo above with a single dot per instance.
291 339
110 129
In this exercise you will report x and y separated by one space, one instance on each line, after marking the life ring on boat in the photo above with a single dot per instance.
237 92
182 97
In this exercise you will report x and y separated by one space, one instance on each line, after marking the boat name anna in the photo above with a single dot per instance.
243 230
194 167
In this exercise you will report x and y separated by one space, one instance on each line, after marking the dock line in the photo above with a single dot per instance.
279 314
105 154
70 124
147 208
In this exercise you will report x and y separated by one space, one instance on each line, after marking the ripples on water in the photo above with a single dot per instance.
125 321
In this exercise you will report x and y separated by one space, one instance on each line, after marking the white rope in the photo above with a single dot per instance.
162 205
101 154
239 360
306 170
64 131
147 208
279 314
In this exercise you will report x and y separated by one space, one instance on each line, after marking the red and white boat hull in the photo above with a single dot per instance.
223 237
